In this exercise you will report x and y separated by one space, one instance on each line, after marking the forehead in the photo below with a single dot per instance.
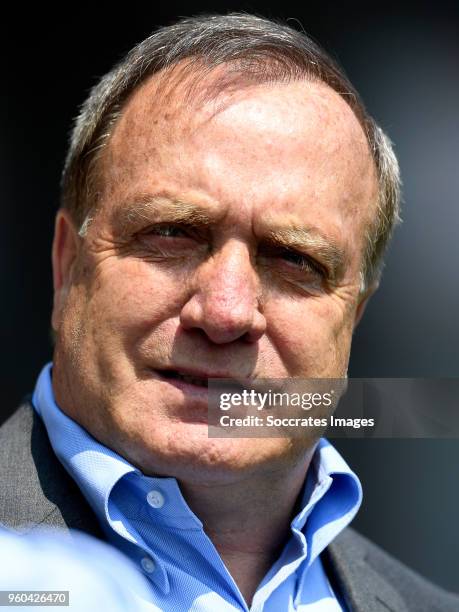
176 106
299 139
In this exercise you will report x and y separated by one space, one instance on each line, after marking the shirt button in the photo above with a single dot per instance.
148 564
155 499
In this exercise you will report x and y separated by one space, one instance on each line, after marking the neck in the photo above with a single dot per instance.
248 521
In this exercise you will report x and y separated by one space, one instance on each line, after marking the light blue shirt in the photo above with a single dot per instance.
149 520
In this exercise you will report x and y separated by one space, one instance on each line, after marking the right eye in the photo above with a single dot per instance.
167 231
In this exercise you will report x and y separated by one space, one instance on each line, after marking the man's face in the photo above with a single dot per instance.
227 243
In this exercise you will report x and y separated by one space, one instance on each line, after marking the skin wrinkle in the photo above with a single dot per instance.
150 208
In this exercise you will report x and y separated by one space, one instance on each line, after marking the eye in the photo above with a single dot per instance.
302 262
169 241
167 231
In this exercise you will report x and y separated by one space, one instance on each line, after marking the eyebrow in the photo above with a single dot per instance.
310 240
146 208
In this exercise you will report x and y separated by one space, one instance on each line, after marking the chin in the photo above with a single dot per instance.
189 454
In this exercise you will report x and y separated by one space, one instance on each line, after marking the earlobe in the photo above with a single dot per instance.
64 253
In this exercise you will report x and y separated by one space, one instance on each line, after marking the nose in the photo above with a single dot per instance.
225 300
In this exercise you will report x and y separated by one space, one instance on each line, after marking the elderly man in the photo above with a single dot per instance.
226 203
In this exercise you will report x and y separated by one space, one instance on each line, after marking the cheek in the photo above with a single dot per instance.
312 335
133 297
107 318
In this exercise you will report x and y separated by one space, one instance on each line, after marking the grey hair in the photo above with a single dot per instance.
251 48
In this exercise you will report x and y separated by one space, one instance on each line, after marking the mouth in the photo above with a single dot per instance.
175 375
196 384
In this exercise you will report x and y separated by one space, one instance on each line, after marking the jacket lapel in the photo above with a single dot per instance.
363 589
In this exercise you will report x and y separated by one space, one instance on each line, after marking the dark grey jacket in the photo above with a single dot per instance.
35 491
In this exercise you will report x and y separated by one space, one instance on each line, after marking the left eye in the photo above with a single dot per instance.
302 262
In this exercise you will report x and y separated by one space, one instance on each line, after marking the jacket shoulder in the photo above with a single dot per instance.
384 573
35 489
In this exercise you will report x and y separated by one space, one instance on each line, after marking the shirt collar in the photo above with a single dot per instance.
331 498
95 468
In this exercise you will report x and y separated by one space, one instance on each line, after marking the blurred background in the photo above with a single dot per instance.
404 60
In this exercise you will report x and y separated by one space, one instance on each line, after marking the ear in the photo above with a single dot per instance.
363 301
64 253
